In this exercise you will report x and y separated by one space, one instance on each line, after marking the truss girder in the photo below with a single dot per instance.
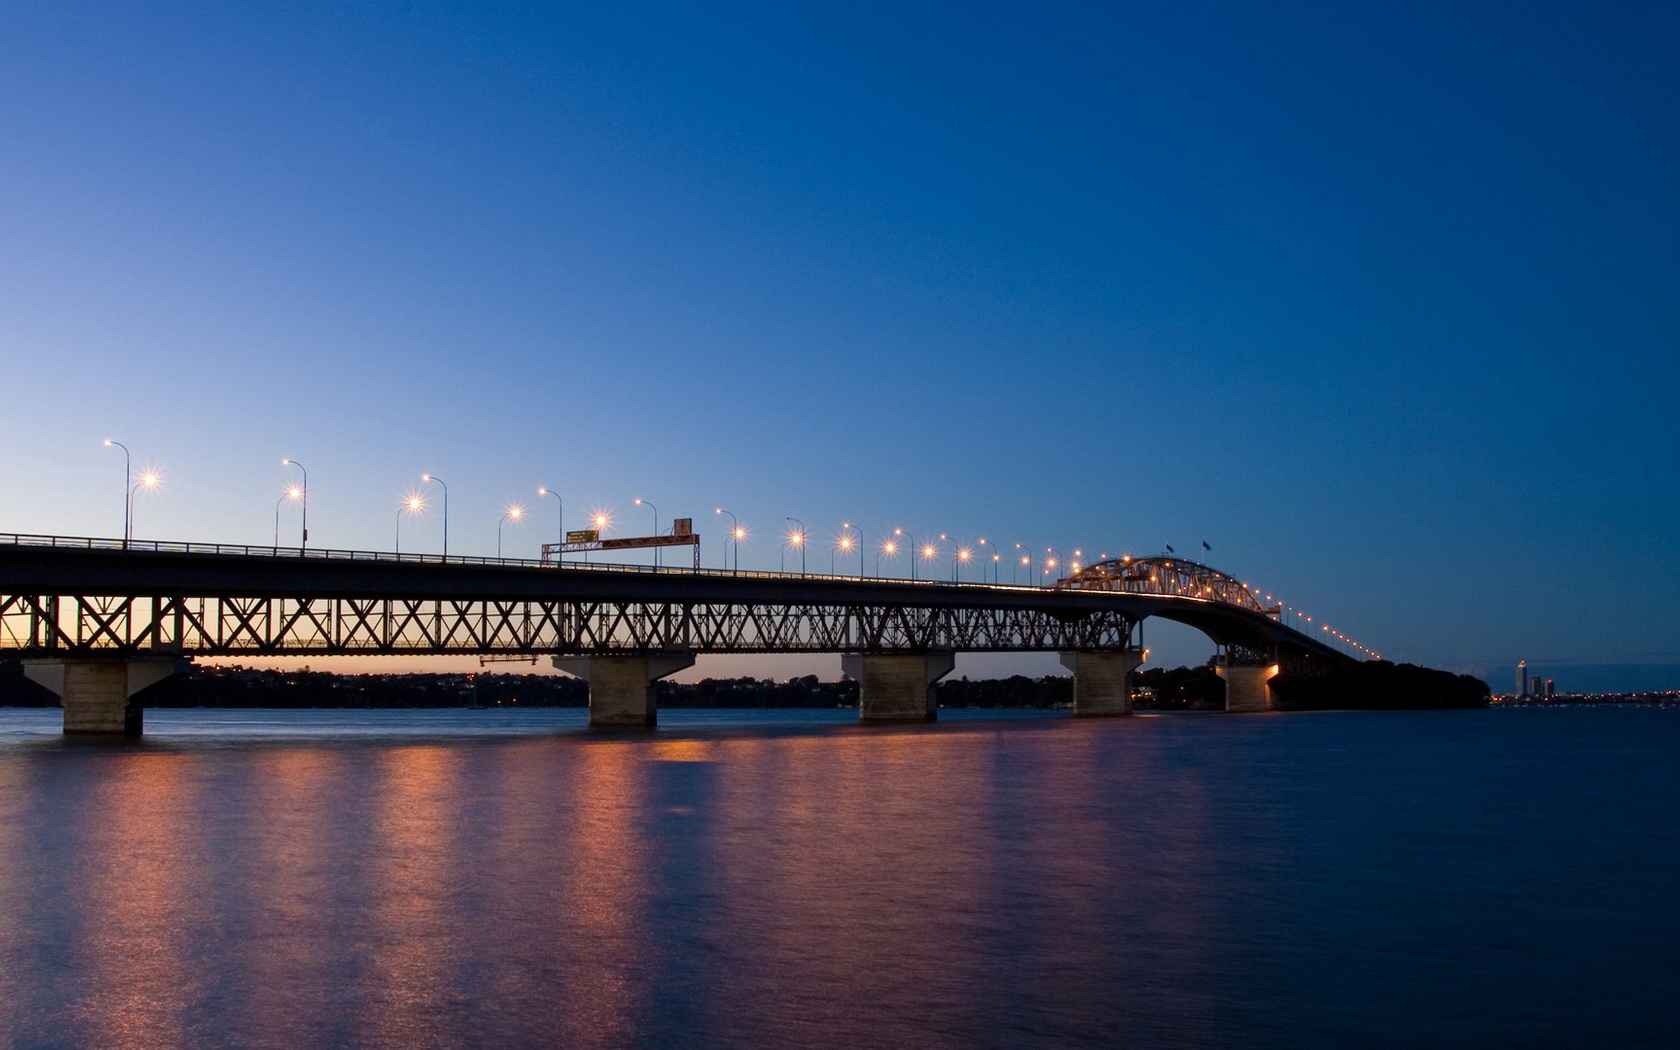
33 625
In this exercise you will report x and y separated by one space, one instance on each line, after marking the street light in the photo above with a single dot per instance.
149 480
292 492
1027 560
962 558
411 505
997 560
798 540
889 547
295 463
859 541
644 503
516 512
735 533
1050 562
128 496
844 543
912 539
434 477
559 557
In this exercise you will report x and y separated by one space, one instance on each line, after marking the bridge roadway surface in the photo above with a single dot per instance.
76 606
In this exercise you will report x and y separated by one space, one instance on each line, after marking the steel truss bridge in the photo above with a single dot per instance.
67 596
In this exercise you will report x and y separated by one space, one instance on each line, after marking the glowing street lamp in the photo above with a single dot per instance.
857 541
559 557
797 539
149 480
640 502
997 559
515 512
964 555
128 495
292 492
412 505
1050 562
912 549
439 481
889 548
843 543
735 533
305 498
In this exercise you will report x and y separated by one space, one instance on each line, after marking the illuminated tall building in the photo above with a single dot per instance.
1522 677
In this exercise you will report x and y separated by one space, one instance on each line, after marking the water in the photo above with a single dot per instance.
777 879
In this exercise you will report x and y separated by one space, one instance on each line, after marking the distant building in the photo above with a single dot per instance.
1522 677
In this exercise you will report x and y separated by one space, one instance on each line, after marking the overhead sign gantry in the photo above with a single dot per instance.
582 541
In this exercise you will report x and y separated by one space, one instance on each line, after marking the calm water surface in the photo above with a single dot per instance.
780 879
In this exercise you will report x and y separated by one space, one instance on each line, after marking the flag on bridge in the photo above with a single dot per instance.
1170 550
1205 546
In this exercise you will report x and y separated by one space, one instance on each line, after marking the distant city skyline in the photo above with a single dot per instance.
1103 278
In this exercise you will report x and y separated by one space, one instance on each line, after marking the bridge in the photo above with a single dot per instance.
98 620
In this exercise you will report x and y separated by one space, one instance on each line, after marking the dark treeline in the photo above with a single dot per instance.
1377 684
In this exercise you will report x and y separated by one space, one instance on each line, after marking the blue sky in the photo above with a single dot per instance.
1383 305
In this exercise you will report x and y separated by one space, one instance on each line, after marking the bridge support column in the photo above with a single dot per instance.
97 693
1248 688
897 687
621 687
1102 681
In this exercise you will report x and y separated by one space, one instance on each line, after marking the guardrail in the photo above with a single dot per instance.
243 550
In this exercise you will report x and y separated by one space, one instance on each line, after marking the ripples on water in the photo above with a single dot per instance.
780 879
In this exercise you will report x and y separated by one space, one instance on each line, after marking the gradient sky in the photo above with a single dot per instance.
1382 304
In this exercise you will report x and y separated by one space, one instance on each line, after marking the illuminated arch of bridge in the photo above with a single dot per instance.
1165 576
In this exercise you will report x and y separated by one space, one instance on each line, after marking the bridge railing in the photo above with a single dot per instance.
245 550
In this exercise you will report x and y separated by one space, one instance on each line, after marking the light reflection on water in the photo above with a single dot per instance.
363 879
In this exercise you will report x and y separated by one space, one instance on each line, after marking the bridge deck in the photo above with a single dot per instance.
61 594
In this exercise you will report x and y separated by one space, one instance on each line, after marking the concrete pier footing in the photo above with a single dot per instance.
98 693
1248 689
897 687
621 687
1102 681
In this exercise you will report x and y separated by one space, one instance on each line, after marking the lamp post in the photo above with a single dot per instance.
559 557
997 559
798 540
962 558
735 534
294 463
889 547
434 477
845 543
1027 560
1050 562
912 539
148 480
516 512
128 495
411 505
858 529
644 503
290 493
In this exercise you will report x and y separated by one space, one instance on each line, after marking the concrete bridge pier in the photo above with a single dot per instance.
1247 687
97 692
1102 681
621 686
898 687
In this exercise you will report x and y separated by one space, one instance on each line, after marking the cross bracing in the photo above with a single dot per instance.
225 626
